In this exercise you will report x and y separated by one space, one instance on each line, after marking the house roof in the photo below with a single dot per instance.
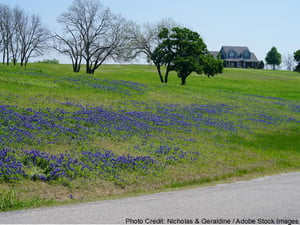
253 57
237 49
214 53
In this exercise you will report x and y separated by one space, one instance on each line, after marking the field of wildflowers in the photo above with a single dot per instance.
121 127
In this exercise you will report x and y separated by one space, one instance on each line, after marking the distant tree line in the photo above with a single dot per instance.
92 34
48 61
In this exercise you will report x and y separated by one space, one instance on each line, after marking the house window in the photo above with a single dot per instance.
246 55
231 54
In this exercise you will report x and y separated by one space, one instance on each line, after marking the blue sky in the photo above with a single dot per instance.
258 24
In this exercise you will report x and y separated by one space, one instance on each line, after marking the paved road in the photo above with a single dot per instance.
262 200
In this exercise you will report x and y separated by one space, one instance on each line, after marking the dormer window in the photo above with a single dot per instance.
231 54
246 55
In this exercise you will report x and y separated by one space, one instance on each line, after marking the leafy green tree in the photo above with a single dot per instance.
261 65
187 52
163 54
273 57
183 51
212 66
297 58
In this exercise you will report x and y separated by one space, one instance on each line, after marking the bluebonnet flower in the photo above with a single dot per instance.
295 108
10 168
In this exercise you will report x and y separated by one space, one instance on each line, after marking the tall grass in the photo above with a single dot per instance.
10 200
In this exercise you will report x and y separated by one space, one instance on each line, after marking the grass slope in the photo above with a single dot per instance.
69 137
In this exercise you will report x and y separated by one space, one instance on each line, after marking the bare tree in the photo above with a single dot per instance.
144 40
6 32
33 37
111 45
70 43
94 33
289 61
22 36
17 15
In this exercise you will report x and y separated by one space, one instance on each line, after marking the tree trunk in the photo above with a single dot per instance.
22 58
92 71
7 54
3 56
159 73
79 65
76 67
87 70
167 76
273 66
183 78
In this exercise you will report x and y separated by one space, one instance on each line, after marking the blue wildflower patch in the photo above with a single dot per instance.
11 169
76 125
43 166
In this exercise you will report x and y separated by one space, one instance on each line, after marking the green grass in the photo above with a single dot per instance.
9 200
241 123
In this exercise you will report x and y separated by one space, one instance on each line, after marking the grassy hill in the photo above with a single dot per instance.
69 137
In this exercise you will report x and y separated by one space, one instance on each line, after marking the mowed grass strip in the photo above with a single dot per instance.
69 137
